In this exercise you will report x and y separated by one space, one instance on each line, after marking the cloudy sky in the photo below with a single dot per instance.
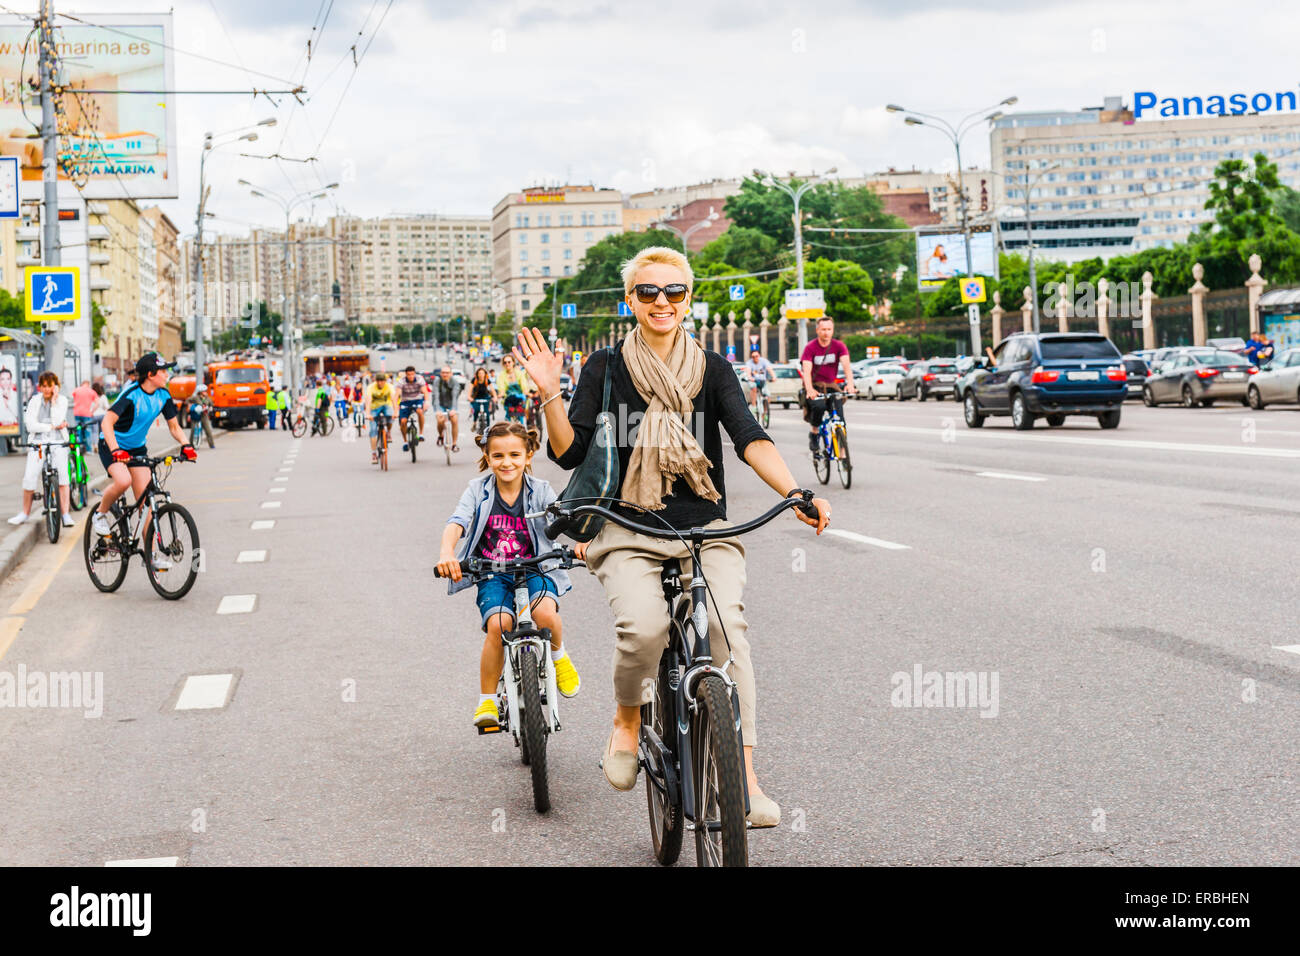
454 104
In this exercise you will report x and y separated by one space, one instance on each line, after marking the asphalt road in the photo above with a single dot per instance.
1126 589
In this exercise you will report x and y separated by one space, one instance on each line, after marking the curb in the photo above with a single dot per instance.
15 545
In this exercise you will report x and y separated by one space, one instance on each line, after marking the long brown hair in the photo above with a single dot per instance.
531 438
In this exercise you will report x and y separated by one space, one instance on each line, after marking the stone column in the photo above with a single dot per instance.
747 330
1254 289
782 330
1198 291
1148 320
1027 310
717 332
764 327
997 312
1103 307
731 330
1062 308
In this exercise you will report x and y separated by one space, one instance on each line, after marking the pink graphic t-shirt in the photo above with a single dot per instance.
506 536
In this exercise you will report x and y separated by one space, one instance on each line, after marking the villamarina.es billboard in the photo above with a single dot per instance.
116 143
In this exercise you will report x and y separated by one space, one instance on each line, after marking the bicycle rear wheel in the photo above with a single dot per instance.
720 836
106 559
299 426
840 444
533 726
328 428
174 537
659 715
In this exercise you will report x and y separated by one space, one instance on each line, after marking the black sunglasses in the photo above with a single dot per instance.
647 293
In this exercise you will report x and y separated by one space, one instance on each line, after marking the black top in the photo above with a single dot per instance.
720 401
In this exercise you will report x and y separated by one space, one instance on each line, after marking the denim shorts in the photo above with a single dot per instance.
497 594
375 412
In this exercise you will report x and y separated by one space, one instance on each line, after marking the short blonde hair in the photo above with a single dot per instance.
653 254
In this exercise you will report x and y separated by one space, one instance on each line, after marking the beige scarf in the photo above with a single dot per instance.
665 448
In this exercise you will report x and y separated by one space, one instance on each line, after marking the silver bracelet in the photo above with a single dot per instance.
549 400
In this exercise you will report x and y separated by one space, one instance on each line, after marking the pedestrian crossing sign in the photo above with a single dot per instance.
53 293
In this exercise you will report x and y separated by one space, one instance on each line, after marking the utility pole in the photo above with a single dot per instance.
54 359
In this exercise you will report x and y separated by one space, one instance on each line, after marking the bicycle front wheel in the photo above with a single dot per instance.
533 726
840 443
328 428
412 438
299 426
171 554
50 492
658 715
106 559
822 463
720 837
767 413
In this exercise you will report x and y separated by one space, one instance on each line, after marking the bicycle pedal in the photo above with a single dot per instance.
489 730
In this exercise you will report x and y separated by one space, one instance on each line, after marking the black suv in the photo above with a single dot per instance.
1052 374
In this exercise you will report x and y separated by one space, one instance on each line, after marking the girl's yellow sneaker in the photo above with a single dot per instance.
566 676
487 715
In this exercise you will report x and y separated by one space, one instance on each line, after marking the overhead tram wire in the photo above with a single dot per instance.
352 76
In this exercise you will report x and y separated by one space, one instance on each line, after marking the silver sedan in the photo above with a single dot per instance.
1277 383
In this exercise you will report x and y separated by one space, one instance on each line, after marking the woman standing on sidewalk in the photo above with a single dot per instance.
662 378
46 419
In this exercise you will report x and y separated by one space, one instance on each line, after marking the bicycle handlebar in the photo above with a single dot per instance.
480 566
564 519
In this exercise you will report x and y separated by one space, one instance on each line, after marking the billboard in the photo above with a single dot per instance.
941 256
118 143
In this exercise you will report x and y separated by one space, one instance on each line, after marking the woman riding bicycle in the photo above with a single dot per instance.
511 385
661 379
480 398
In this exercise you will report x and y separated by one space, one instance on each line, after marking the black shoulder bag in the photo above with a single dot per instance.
596 480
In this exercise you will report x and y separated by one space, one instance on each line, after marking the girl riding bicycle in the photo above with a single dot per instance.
661 379
480 397
491 522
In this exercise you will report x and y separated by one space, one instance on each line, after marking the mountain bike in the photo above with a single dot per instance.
171 554
78 476
833 436
690 739
412 433
482 415
49 493
532 711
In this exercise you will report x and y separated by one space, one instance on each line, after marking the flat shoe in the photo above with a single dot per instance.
620 766
763 811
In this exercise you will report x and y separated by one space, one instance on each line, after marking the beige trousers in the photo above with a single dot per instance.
628 566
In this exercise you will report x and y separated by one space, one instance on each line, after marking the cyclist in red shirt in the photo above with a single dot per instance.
821 359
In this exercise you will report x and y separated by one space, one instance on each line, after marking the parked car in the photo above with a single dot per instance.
1233 344
932 379
1277 383
1137 369
886 380
1198 377
1052 374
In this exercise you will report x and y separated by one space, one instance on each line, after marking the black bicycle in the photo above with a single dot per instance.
171 551
691 745
527 682
50 487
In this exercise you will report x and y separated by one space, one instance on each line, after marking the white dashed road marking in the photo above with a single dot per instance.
275 491
262 525
250 557
1007 475
272 504
863 539
147 861
205 692
1292 648
281 478
237 604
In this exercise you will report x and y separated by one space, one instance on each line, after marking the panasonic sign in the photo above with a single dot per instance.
1234 104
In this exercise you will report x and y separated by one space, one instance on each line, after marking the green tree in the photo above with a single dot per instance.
745 248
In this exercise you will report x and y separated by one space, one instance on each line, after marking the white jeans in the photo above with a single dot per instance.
32 475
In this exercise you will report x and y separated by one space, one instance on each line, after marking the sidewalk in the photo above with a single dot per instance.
17 541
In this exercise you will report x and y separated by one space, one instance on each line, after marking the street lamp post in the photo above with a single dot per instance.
796 194
288 325
955 134
209 145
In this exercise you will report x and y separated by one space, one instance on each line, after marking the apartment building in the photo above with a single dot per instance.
1102 158
406 269
113 232
542 233
168 280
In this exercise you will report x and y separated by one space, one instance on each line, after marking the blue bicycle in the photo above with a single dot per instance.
834 439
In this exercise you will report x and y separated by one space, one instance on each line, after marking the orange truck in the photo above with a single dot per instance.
238 388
